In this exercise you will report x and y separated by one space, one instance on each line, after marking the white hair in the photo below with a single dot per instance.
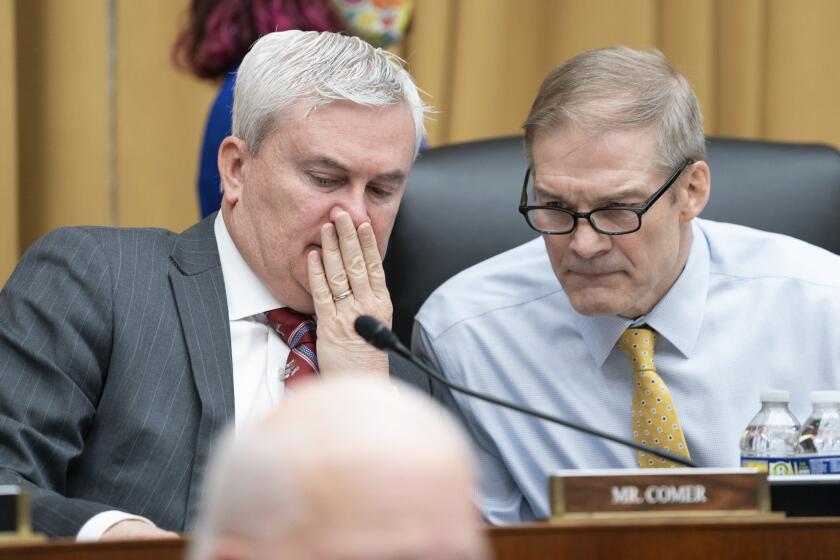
284 67
257 482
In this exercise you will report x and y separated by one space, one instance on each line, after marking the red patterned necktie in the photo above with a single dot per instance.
298 332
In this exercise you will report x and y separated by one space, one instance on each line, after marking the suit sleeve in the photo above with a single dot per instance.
402 369
55 344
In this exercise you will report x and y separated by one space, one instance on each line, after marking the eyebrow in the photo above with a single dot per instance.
628 192
326 162
395 176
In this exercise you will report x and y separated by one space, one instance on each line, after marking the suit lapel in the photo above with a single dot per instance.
198 286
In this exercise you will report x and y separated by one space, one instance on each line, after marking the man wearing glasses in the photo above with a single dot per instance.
616 181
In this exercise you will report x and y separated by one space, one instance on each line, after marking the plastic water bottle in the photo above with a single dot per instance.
769 443
819 439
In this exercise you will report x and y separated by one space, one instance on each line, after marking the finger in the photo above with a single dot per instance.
322 297
351 254
336 276
373 261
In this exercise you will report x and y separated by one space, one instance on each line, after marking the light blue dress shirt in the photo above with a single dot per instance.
751 311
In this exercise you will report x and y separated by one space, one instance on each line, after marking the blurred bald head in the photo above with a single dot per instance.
344 469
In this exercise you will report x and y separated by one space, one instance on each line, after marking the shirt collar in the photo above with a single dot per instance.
677 317
246 294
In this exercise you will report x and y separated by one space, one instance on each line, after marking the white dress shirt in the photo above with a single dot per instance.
751 311
258 355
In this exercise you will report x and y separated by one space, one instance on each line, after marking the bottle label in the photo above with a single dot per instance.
819 464
773 465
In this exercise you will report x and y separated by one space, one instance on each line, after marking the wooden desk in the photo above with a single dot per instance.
811 538
705 539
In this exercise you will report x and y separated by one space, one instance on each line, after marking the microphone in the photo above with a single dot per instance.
380 336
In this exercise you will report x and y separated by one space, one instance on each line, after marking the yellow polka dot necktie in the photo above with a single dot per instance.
655 422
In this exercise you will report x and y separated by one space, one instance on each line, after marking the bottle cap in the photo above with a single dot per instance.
775 395
825 397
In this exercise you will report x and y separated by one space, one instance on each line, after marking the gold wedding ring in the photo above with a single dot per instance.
343 295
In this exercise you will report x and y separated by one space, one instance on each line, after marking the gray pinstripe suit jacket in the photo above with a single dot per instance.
115 373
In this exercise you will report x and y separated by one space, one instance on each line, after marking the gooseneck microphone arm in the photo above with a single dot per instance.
378 335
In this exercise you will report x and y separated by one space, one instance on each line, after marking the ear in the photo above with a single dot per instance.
697 182
232 160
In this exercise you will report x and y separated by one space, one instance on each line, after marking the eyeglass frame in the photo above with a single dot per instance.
638 210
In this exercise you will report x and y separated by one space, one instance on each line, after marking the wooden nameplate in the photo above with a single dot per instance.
622 493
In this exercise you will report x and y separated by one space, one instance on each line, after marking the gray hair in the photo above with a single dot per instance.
286 66
621 88
242 497
257 479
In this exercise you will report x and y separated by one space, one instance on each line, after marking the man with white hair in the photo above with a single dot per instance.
124 352
344 469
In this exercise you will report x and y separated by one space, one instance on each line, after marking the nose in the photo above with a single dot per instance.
354 202
587 242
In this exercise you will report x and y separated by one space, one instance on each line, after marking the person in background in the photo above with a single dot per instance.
219 33
630 314
344 469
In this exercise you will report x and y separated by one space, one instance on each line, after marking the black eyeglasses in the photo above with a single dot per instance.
614 220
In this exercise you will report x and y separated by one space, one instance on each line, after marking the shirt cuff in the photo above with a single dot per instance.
96 526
